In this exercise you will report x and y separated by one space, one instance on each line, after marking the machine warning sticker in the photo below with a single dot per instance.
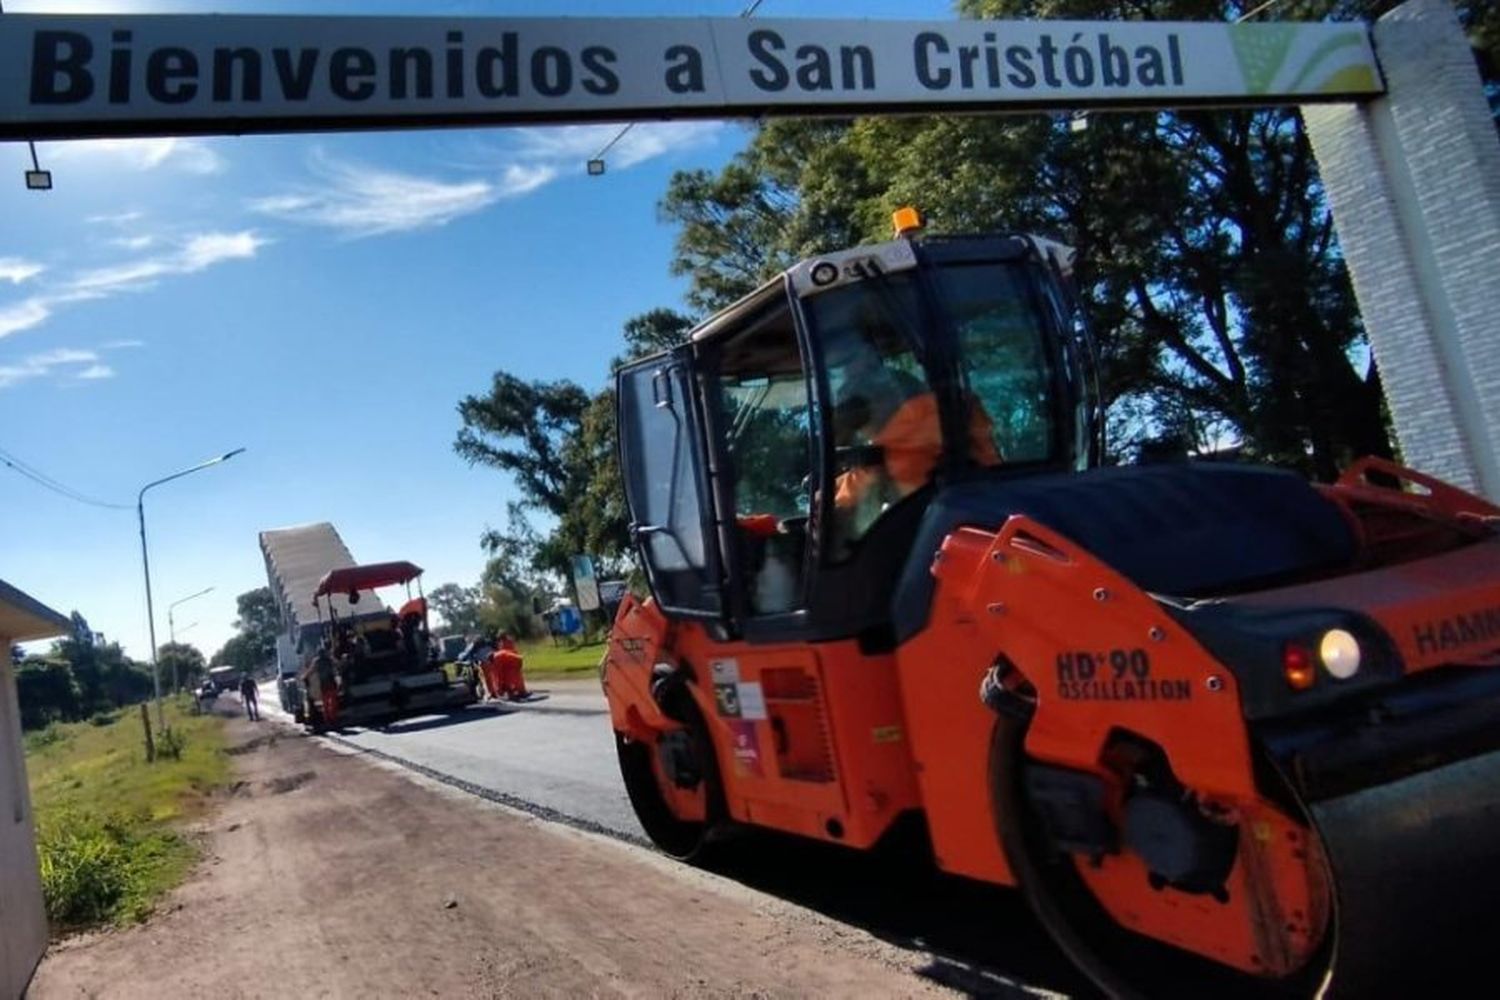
746 749
887 734
724 671
727 700
752 700
1115 675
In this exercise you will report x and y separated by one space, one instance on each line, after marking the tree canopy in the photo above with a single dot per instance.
1208 264
77 678
253 644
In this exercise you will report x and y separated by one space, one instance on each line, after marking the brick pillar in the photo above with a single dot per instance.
1414 182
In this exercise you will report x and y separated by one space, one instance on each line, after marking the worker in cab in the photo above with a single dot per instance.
887 425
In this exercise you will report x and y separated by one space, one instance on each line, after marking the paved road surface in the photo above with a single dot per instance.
556 755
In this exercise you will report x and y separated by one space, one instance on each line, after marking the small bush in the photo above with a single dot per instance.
106 871
38 738
85 870
170 744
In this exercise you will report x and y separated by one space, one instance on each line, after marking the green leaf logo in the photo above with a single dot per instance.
1260 50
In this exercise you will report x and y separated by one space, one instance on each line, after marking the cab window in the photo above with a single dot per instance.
764 419
999 327
887 435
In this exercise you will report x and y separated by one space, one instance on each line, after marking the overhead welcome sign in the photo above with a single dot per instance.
100 75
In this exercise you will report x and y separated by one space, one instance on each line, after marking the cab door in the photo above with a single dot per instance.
666 485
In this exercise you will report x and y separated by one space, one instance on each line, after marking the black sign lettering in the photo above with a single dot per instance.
763 48
172 75
296 81
119 68
684 70
601 78
349 70
507 82
1114 675
926 46
455 64
406 63
551 71
120 74
59 68
225 62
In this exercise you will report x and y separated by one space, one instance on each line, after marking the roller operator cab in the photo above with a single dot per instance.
1211 719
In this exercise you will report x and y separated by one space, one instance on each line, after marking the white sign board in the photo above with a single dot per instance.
585 583
96 75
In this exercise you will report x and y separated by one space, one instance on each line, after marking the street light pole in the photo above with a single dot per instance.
172 632
140 511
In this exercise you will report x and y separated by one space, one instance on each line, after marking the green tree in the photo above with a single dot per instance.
244 652
105 676
558 444
1208 258
522 428
259 620
48 692
457 606
181 665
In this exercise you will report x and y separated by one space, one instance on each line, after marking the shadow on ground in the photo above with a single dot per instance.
983 940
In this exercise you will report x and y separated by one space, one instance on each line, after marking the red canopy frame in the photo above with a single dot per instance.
368 577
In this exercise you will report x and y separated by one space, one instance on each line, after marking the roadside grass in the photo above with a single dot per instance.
545 661
548 662
108 834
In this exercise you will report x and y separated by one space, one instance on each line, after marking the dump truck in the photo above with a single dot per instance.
1213 721
381 661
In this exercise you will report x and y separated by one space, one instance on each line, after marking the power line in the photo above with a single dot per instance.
596 162
47 482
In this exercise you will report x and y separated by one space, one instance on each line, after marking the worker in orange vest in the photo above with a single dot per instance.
506 665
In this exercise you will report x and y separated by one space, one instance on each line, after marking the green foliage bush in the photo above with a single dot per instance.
38 738
85 869
97 871
170 744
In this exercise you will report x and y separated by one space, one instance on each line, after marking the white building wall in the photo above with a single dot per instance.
1414 182
23 921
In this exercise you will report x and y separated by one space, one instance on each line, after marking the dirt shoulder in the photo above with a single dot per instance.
331 875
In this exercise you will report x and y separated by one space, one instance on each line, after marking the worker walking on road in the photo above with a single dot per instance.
250 695
328 685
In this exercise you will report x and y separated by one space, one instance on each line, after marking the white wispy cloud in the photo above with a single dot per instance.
360 200
207 249
116 218
191 254
23 315
196 253
115 345
67 361
142 242
189 156
62 356
16 269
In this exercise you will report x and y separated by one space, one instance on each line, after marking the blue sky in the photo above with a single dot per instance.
322 301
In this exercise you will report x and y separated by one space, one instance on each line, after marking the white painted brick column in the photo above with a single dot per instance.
1414 182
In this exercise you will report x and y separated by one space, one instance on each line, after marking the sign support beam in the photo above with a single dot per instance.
1414 182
